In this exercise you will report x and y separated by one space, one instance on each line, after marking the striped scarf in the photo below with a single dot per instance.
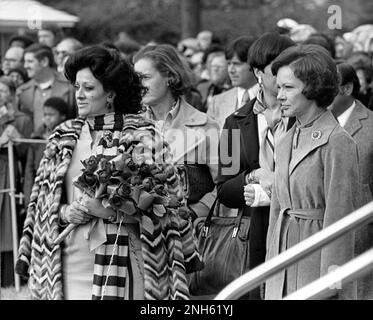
168 253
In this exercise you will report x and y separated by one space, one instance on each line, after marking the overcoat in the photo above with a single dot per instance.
315 185
193 137
360 126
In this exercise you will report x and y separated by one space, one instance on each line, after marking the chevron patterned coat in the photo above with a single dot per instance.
168 254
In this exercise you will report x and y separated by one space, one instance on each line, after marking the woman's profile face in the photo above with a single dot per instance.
90 95
5 94
153 81
293 101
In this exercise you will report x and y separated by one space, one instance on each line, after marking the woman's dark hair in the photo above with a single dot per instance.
166 60
347 74
240 47
313 65
265 49
114 73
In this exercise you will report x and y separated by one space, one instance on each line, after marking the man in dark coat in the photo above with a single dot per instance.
241 147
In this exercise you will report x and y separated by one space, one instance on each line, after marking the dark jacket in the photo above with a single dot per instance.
231 186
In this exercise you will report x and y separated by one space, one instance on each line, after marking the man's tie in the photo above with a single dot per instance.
245 98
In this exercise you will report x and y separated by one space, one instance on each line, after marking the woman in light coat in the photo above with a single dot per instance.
192 135
316 174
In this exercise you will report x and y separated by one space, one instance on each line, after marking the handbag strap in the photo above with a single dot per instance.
207 223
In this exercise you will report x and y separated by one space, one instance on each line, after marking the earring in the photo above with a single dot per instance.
260 81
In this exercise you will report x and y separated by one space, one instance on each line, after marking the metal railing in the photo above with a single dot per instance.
351 271
12 193
260 274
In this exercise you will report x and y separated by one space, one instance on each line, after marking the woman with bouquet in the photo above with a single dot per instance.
108 176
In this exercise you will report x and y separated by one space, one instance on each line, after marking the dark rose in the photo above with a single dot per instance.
115 201
148 184
105 164
90 164
160 177
131 165
126 175
104 176
124 190
144 170
159 189
88 178
154 169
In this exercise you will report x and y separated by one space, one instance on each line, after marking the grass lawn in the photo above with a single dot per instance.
10 293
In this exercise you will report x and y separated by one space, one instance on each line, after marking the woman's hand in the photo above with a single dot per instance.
95 208
249 194
76 213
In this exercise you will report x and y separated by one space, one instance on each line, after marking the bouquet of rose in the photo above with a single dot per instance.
130 185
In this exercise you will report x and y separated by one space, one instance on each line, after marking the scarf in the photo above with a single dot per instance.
168 253
275 125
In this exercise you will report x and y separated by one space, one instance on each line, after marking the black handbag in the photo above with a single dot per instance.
197 181
223 243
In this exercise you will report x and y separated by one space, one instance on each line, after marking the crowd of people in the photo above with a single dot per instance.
278 127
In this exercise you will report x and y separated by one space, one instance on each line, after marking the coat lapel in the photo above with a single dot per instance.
247 123
27 97
319 135
185 124
283 153
354 122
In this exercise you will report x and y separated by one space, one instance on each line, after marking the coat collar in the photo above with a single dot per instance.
188 116
32 83
354 122
321 130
